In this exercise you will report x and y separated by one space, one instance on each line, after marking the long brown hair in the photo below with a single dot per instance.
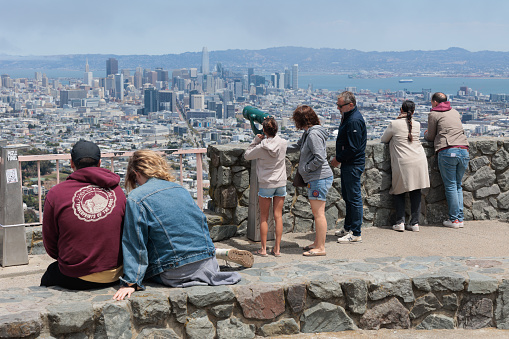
305 116
149 164
409 107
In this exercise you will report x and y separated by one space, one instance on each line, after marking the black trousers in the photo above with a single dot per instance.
415 207
53 277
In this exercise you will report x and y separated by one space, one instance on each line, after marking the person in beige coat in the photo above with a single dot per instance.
270 151
409 165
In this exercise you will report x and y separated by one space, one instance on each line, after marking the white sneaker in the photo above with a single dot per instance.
461 224
399 227
349 239
413 228
341 232
241 257
451 224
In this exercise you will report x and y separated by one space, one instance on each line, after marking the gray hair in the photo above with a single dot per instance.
348 97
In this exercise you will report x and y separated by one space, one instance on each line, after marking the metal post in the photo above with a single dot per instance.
12 219
253 213
199 179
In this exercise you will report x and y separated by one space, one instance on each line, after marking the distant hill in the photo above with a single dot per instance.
276 59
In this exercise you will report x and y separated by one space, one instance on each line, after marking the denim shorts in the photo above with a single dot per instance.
317 189
272 192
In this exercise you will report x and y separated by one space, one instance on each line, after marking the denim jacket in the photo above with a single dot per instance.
163 229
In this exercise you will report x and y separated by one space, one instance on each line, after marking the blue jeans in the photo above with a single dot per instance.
351 192
453 163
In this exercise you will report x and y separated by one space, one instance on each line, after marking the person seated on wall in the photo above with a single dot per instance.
166 237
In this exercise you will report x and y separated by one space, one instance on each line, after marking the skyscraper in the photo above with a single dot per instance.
111 66
295 76
119 87
205 61
151 100
87 76
288 82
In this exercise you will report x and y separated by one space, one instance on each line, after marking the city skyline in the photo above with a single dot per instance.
86 27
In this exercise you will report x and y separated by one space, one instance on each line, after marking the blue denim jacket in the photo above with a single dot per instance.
163 229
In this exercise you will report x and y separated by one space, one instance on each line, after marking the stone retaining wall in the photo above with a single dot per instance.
485 184
317 303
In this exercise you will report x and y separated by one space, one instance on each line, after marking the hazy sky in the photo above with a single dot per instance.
35 27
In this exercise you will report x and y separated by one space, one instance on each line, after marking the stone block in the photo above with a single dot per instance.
435 195
356 295
468 199
224 176
373 181
178 301
503 180
231 155
436 322
222 232
478 162
481 284
303 225
235 328
261 301
440 281
296 297
325 288
241 229
450 302
381 153
202 296
213 176
389 314
484 192
241 180
325 317
200 328
240 214
394 284
288 221
487 146
149 308
502 310
228 197
381 199
281 327
244 199
70 318
383 217
503 200
157 333
236 169
500 160
227 214
20 325
436 213
425 304
333 197
302 208
117 320
222 311
476 313
484 177
213 218
331 215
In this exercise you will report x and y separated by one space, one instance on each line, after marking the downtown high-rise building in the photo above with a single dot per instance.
205 61
111 66
119 87
87 76
295 76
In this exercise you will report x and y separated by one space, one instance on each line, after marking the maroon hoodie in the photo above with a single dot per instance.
82 224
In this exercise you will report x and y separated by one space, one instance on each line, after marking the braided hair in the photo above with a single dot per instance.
409 107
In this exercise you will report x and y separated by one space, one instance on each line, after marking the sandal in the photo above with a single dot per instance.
274 253
314 254
308 248
260 254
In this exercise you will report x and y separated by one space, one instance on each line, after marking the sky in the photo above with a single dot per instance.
155 27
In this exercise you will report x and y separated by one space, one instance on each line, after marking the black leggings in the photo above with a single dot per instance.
415 207
53 277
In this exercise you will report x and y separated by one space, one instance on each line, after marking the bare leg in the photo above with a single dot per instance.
264 204
278 218
318 209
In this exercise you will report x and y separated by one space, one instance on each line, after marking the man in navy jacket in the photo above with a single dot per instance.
350 155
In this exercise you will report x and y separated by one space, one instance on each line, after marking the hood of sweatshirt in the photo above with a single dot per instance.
442 107
319 130
273 145
97 176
